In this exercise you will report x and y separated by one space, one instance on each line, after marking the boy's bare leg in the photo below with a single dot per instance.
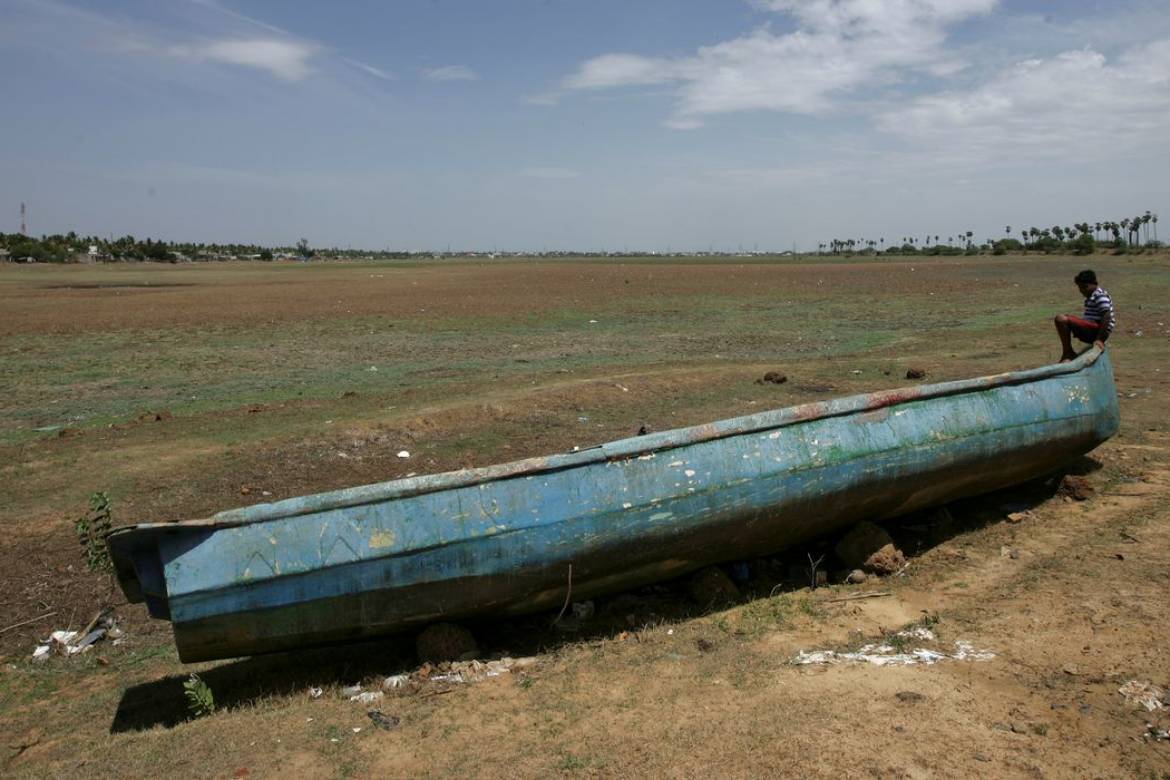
1062 329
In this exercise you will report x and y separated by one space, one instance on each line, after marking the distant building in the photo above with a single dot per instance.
4 256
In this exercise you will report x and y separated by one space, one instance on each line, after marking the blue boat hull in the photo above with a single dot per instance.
379 559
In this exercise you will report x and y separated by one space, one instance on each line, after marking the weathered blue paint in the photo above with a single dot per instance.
376 559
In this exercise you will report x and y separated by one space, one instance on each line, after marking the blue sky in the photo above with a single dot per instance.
590 124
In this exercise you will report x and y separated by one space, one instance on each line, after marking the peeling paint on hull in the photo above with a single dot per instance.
378 559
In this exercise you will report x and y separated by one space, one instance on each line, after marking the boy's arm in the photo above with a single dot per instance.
1103 329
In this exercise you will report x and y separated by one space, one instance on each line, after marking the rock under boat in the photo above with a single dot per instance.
380 559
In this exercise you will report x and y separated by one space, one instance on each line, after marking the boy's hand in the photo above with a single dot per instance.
1099 344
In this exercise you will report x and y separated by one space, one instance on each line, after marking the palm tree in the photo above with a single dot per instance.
1154 220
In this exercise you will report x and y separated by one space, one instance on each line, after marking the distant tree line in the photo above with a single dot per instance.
1084 238
1126 235
70 246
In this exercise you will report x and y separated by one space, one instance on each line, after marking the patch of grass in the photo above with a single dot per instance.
571 762
765 614
810 607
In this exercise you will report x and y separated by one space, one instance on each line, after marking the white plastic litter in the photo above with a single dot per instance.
367 697
474 671
1143 694
886 655
73 642
62 637
918 632
403 454
964 651
84 643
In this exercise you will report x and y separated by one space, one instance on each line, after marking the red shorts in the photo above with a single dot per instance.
1085 330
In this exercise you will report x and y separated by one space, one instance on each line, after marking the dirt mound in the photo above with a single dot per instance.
916 373
868 547
772 378
1076 487
444 642
712 586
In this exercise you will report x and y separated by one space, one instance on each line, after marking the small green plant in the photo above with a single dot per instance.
91 529
200 700
765 614
570 762
898 641
809 607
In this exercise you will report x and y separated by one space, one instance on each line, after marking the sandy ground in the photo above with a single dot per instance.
1070 601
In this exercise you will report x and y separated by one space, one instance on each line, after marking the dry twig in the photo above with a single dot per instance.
568 597
860 596
26 622
437 693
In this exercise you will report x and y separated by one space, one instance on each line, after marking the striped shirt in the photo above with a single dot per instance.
1098 306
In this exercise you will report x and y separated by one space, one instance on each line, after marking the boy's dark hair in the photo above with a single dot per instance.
1086 277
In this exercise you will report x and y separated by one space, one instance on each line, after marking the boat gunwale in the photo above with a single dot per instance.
620 449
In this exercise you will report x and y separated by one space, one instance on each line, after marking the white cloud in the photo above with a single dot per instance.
377 73
1077 101
543 99
622 70
285 59
838 47
451 73
550 173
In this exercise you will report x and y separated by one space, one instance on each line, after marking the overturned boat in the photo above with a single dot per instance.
507 539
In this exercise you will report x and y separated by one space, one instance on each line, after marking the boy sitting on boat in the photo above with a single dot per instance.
1095 325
